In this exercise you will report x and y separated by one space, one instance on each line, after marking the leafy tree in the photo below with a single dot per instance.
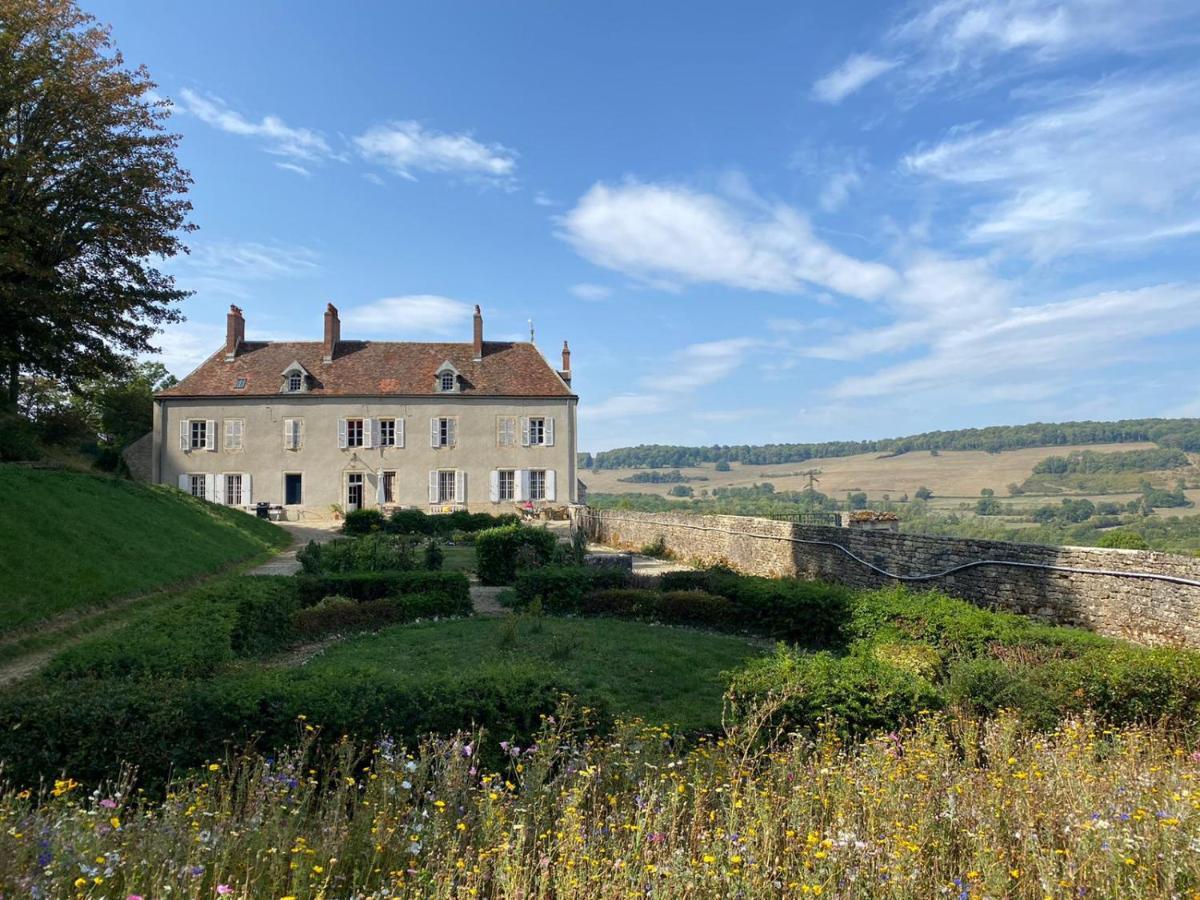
722 466
923 493
125 406
988 506
681 490
1124 540
856 500
91 194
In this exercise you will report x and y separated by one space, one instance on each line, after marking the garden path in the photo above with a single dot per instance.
284 562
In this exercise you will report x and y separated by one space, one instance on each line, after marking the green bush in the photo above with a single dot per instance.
410 521
1124 683
362 521
18 439
498 551
191 635
859 694
366 586
341 614
372 553
562 588
983 687
1123 540
415 521
434 556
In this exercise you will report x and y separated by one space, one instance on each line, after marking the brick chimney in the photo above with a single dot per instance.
333 332
478 346
565 372
235 332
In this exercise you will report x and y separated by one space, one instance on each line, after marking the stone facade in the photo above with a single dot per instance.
139 456
1142 604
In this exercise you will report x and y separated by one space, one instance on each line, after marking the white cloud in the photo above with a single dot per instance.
1027 342
407 147
669 234
293 167
624 406
275 135
851 76
541 198
1116 161
586 291
183 347
699 365
250 260
411 314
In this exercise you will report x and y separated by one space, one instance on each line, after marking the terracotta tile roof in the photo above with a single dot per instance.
374 368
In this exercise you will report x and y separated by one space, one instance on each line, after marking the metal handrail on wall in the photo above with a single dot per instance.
929 576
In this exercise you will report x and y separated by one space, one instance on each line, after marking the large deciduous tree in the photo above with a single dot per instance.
91 197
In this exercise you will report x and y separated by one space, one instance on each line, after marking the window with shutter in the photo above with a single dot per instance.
399 432
537 484
506 431
247 494
550 486
434 495
233 433
549 431
185 434
355 431
210 434
460 486
370 433
342 434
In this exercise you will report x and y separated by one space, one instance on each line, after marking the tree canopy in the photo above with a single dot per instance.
91 196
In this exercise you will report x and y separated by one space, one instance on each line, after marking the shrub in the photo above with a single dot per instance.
858 693
434 557
367 586
657 549
18 438
499 549
1123 540
983 687
373 553
1130 684
562 588
340 614
410 521
362 521
920 659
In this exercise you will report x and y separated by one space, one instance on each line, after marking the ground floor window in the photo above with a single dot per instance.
389 487
506 485
293 488
196 485
233 490
446 487
537 484
354 491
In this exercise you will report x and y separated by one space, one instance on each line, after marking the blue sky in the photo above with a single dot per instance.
754 222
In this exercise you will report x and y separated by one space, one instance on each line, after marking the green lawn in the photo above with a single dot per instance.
663 675
69 540
459 558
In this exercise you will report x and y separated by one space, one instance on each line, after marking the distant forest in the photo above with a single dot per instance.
1179 434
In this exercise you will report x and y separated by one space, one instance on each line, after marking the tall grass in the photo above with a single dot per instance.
950 807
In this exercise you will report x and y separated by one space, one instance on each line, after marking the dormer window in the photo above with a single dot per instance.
240 384
446 380
295 379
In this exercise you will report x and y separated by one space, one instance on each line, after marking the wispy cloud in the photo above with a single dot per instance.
587 291
852 75
272 133
230 268
294 167
407 148
1118 161
411 314
669 234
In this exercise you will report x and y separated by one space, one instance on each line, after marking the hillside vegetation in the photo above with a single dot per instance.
74 540
1183 434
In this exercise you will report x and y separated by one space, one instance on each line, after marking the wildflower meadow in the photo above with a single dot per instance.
951 806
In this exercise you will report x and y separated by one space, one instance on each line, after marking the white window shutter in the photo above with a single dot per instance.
550 484
185 435
460 486
522 484
185 482
451 432
433 487
400 433
218 494
342 434
379 487
524 431
298 433
369 434
247 496
210 487
210 435
287 434
549 432
494 486
434 435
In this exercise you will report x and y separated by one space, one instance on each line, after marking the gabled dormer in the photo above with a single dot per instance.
447 380
296 379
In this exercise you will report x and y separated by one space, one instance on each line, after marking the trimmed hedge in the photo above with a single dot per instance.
500 552
373 553
191 635
416 521
362 521
339 614
366 586
88 728
562 588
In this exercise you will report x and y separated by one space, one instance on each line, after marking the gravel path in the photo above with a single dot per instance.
284 563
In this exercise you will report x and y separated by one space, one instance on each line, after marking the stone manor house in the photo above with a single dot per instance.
313 425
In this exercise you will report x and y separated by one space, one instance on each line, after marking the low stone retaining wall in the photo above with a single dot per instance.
1144 596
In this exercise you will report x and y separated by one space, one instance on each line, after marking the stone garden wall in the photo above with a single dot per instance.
1149 597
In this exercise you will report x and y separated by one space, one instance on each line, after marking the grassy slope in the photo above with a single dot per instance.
666 675
70 540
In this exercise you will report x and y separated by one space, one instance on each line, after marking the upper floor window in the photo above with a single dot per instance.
199 434
295 381
233 433
446 381
506 431
387 433
354 432
442 431
539 431
239 384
